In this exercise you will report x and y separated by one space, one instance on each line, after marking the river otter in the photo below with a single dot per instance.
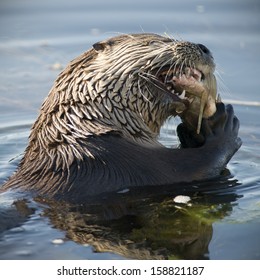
97 129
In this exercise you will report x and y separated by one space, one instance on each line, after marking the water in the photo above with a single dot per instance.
222 219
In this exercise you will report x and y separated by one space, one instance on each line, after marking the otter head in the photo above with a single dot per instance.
153 77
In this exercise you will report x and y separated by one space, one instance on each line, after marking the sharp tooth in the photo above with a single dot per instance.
182 96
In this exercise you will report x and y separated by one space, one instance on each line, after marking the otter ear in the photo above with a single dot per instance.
99 46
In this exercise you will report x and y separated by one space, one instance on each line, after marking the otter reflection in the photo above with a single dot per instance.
140 226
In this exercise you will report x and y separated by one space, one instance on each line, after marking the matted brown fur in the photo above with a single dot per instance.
97 129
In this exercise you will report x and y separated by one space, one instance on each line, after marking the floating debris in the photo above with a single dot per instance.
57 241
181 199
123 191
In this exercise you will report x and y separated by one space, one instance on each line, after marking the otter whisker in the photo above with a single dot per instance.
223 89
193 66
181 67
170 36
156 65
154 81
190 64
175 65
141 91
172 65
148 90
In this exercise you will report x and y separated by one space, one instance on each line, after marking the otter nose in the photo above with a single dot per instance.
204 49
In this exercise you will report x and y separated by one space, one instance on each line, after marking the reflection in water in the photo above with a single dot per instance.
146 224
141 224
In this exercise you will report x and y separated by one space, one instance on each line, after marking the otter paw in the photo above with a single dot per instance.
221 130
189 138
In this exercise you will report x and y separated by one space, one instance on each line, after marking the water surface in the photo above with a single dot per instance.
222 219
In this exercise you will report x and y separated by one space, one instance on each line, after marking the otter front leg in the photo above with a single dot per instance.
218 140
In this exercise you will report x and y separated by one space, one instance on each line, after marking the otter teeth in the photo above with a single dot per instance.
182 95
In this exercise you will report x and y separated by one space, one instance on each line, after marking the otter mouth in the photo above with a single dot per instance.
195 87
186 84
182 83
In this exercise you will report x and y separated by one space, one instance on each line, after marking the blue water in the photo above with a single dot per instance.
38 39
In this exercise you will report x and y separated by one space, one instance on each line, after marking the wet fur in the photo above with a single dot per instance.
86 143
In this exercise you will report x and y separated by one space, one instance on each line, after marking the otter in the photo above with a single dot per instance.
97 130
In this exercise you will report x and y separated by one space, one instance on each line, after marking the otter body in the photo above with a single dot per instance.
97 129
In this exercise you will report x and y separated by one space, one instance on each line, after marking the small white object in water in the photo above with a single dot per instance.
182 199
123 191
57 241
